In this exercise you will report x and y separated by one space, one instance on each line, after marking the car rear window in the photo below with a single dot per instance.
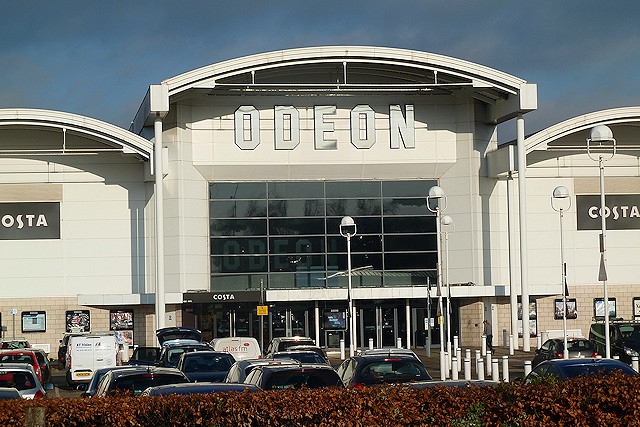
17 358
18 380
309 378
394 371
284 345
581 345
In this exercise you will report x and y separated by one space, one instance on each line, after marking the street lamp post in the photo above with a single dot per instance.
348 229
447 222
436 193
561 193
601 142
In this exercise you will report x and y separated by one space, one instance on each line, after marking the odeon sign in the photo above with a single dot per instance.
286 126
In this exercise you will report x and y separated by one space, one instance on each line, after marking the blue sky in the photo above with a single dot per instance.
98 58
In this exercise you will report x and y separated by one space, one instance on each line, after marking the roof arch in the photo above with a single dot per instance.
570 134
77 135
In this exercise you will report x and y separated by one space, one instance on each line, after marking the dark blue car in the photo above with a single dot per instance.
571 368
209 366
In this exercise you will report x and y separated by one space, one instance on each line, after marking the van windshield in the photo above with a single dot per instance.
630 333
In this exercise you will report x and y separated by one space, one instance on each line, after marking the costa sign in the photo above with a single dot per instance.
32 220
621 212
287 127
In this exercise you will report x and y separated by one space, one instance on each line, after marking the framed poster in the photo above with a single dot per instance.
334 320
533 319
77 321
572 310
598 307
124 337
636 309
34 321
121 320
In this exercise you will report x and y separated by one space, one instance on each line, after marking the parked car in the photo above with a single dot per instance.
239 347
569 368
91 387
300 356
62 348
170 353
45 366
197 388
239 370
23 378
15 344
136 379
283 343
145 356
368 370
624 339
271 377
313 348
178 333
554 349
389 352
209 366
22 356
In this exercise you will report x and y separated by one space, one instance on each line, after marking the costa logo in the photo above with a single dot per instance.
21 221
617 211
223 297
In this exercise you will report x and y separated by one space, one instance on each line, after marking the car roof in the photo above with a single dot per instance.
137 370
200 387
17 367
298 367
386 357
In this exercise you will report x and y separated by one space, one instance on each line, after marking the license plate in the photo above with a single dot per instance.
83 374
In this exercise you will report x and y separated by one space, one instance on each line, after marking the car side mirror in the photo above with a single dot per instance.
49 386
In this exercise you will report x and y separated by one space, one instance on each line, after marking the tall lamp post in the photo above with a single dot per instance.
602 144
447 222
561 193
436 193
348 229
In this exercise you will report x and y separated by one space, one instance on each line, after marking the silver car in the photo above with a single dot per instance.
23 378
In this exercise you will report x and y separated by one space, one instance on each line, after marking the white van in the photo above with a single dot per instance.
87 353
240 347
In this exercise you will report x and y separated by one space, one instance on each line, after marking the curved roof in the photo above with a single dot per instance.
559 135
77 134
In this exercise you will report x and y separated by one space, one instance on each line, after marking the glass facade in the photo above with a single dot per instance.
287 234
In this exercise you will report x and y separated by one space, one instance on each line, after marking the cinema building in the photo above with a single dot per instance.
254 162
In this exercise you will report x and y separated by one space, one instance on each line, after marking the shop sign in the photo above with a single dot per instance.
621 212
29 220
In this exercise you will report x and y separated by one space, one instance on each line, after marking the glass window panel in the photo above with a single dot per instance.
234 282
407 188
410 224
296 190
238 190
406 207
237 208
296 208
400 261
359 243
243 246
238 227
338 262
365 225
354 207
296 262
296 226
238 264
353 189
410 242
301 244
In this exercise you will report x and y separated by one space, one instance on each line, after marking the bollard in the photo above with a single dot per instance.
505 369
488 362
454 368
477 358
443 366
447 363
467 353
634 363
459 356
481 369
342 349
370 343
467 369
456 342
511 345
483 347
495 372
527 367
35 416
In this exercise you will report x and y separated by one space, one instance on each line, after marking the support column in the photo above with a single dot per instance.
157 161
522 216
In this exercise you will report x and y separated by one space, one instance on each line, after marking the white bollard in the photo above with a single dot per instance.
467 353
443 366
477 358
634 363
454 368
488 363
370 343
495 372
481 369
459 356
505 369
511 345
467 369
527 367
342 349
456 342
483 347
399 342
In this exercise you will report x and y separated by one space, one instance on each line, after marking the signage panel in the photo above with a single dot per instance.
29 220
218 297
622 212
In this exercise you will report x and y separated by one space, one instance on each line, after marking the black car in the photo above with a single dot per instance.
208 366
272 377
175 333
570 368
144 356
239 370
283 343
368 370
197 388
554 349
136 379
170 353
302 356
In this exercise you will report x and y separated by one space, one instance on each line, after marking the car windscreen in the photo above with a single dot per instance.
195 362
138 383
309 378
631 335
16 358
387 371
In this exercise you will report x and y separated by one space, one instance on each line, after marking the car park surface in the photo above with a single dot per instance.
198 388
570 368
554 349
136 379
272 377
210 366
368 370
